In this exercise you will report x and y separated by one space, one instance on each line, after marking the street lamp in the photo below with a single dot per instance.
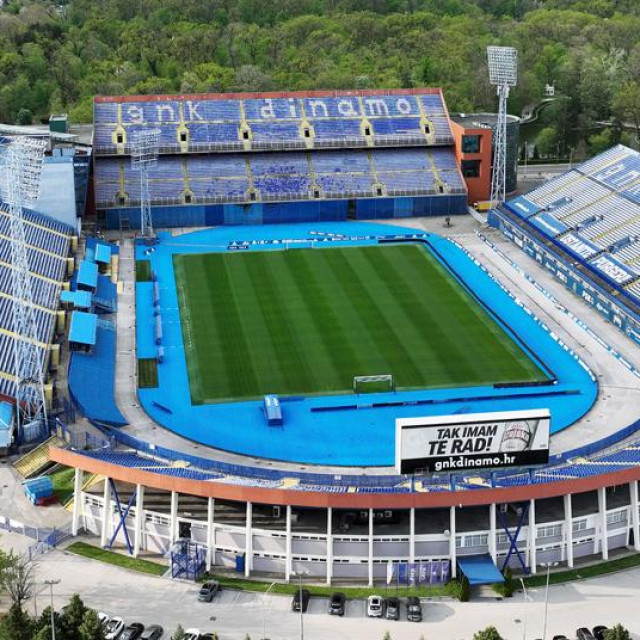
264 607
50 583
299 574
527 598
548 565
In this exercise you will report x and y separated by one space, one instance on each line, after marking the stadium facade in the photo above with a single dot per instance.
281 157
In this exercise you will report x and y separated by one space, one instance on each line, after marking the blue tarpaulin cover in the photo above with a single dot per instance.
103 253
83 327
480 569
79 299
88 274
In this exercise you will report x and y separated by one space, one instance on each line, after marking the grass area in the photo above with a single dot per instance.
116 559
307 321
451 589
147 373
63 484
143 270
582 573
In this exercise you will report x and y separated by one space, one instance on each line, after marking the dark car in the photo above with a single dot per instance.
133 631
584 634
337 604
300 600
393 609
152 632
560 637
598 632
414 609
208 591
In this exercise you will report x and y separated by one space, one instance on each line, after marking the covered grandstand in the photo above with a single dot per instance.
254 158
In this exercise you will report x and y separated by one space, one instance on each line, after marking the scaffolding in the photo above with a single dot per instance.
19 186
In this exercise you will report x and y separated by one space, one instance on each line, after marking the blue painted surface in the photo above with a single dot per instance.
87 274
6 415
103 253
92 378
314 430
79 299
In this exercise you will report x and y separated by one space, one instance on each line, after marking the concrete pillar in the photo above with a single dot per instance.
173 522
370 547
77 502
602 510
329 545
452 541
635 517
106 513
568 528
248 545
532 537
211 551
493 540
412 534
139 520
287 565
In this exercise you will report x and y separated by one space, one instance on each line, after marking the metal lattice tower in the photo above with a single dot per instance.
19 186
144 155
503 74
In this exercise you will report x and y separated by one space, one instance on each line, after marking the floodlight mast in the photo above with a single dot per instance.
19 187
503 74
144 155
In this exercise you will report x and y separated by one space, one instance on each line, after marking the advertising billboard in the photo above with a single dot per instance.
449 444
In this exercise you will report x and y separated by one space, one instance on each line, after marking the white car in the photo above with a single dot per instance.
374 606
103 617
114 628
192 634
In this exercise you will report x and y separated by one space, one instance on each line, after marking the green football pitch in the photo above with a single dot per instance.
306 321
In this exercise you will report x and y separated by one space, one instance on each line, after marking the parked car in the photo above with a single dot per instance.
300 600
393 609
208 636
133 631
598 632
114 628
152 632
560 637
375 606
414 609
337 604
208 591
103 617
192 634
584 634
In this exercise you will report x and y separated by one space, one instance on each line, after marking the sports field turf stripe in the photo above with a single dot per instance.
508 361
290 344
417 304
390 345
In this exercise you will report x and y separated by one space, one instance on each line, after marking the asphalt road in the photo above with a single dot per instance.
234 614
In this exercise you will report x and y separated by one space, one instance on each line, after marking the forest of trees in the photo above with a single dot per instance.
56 57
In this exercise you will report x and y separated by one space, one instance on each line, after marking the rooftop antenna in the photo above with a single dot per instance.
19 187
503 74
144 155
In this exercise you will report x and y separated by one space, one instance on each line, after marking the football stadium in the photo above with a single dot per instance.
285 346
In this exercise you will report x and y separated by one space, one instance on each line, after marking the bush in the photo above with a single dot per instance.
506 588
465 590
617 633
24 117
490 633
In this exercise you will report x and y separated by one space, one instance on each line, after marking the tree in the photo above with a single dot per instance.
91 627
600 142
16 625
179 633
618 632
73 617
490 633
386 636
16 578
546 141
24 117
42 625
626 105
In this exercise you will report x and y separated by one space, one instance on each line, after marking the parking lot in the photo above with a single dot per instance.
233 614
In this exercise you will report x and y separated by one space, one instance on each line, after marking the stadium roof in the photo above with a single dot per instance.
84 327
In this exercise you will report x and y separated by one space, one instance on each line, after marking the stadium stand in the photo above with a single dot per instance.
313 147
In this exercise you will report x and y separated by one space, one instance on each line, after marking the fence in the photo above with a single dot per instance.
45 538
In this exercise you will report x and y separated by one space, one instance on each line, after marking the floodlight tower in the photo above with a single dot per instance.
503 74
19 186
144 155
